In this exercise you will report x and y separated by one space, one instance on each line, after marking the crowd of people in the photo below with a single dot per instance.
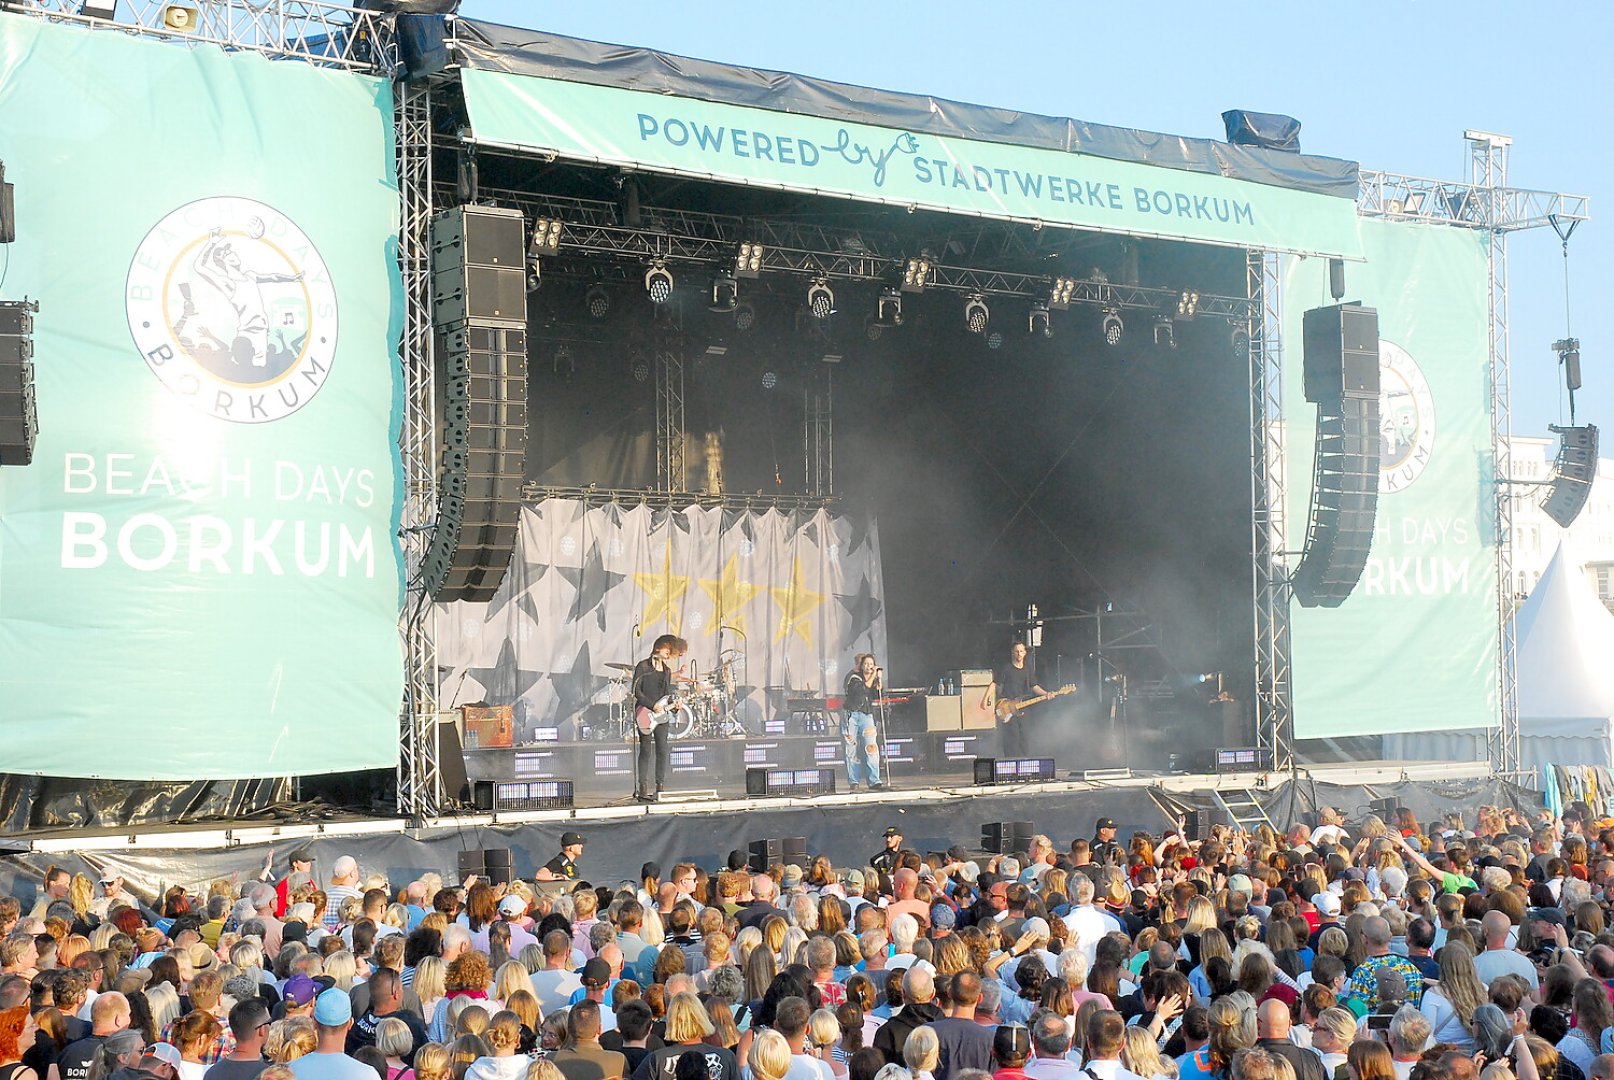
1374 950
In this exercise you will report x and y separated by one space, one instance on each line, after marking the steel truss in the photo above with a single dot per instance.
594 496
1274 716
326 35
818 433
420 777
671 471
592 233
1484 202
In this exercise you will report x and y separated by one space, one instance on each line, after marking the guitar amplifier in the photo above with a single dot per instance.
944 712
488 726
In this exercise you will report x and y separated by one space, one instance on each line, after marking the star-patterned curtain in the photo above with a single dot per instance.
788 596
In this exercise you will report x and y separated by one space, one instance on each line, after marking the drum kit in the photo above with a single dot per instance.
705 709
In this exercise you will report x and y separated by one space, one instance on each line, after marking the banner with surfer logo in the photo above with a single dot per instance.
1413 648
201 564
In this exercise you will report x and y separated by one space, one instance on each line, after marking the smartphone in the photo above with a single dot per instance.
1379 1021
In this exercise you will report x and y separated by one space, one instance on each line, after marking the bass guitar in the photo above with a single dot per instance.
1007 709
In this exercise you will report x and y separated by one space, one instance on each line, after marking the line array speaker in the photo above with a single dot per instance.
19 413
1572 473
1341 376
776 851
1006 837
482 384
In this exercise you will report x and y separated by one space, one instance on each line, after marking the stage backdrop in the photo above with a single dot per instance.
198 574
1414 647
794 594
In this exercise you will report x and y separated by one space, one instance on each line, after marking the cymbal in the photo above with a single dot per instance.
620 667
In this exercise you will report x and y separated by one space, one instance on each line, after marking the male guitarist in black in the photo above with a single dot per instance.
1014 682
652 702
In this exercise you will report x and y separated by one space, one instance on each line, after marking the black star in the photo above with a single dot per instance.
745 522
857 526
592 582
810 531
504 683
519 583
862 608
575 689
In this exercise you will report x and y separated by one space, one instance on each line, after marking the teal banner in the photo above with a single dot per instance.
199 573
737 144
1414 646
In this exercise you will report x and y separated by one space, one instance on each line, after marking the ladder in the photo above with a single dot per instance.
1242 808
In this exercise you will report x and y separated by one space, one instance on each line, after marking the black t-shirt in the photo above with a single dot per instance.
859 696
228 1069
362 1033
650 684
1016 683
561 866
76 1059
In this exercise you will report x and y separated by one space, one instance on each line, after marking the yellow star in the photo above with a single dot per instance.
663 588
728 595
795 604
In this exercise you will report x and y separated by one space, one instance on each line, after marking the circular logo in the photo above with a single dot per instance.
232 308
1406 419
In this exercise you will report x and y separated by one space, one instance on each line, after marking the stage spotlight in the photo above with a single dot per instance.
1038 323
534 274
725 292
597 300
1187 304
873 328
1241 342
994 341
916 275
748 261
1163 333
641 369
545 237
658 282
888 310
1112 326
745 316
770 380
820 298
1060 293
976 315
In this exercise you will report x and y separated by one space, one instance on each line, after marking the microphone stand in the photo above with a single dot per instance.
884 736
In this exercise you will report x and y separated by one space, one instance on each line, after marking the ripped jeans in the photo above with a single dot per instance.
862 749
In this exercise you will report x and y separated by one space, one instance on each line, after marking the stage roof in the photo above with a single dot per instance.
530 91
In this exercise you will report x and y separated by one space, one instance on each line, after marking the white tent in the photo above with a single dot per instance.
1565 647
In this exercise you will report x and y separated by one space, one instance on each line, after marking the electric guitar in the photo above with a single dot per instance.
1007 708
650 719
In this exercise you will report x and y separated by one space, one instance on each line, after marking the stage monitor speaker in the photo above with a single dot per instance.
1385 809
451 760
1006 837
479 266
765 853
471 862
19 411
1572 473
756 783
794 851
1341 374
497 860
482 796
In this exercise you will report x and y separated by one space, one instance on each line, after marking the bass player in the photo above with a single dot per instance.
654 699
1013 682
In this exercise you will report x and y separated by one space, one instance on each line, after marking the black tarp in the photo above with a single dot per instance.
492 47
53 802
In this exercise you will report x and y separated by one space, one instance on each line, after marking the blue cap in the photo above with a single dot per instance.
333 1008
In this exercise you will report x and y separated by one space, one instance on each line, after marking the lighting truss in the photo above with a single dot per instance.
323 34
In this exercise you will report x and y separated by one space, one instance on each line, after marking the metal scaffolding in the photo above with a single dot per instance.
326 35
671 472
420 778
1274 717
818 433
1484 202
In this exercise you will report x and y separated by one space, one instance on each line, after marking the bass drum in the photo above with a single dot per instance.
680 722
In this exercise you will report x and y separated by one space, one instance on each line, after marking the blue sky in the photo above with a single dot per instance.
1392 86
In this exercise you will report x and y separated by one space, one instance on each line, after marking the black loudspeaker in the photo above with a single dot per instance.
1384 808
1572 473
794 851
471 862
497 860
1341 375
8 209
479 266
451 761
765 853
1192 823
756 783
19 415
1006 837
479 297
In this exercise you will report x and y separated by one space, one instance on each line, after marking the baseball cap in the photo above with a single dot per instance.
293 930
1549 915
596 972
892 830
1105 823
513 905
165 1052
1327 903
569 839
854 880
943 917
791 877
1035 926
333 1008
1239 883
300 990
958 853
650 870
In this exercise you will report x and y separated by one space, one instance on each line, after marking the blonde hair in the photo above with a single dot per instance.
466 1017
393 1037
510 978
1141 1054
1201 916
431 1062
770 1056
686 1019
525 1006
343 967
921 1051
540 1069
429 979
297 1037
504 1033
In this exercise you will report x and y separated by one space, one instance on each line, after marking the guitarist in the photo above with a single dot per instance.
653 680
1013 682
